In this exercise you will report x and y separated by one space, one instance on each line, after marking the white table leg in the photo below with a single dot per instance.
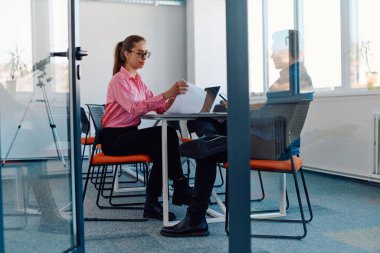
282 202
283 194
129 189
20 193
165 197
218 216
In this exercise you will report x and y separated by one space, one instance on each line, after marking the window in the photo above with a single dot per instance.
15 50
19 51
58 43
280 16
255 46
368 42
322 43
340 41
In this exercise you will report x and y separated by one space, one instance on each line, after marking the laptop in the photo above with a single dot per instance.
211 94
206 105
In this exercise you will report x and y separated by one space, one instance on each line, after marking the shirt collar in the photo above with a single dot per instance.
127 75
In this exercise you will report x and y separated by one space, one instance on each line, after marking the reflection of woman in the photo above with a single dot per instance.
128 98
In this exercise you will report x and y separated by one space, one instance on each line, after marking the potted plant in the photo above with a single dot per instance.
365 54
17 68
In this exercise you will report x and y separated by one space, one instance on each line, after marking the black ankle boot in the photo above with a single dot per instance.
182 192
154 210
187 228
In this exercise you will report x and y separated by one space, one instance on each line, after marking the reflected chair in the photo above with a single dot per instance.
20 193
103 161
275 138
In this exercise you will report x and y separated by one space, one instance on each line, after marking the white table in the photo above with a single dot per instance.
218 217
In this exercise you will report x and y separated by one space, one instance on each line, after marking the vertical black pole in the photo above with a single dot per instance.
75 127
238 126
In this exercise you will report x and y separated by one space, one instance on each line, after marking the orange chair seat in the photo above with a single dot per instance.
88 141
272 165
103 159
186 139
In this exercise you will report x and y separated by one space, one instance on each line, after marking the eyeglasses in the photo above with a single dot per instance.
142 54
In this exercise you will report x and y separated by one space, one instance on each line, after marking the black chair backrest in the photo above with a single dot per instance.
85 123
96 114
276 129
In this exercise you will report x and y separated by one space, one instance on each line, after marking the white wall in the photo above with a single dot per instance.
102 25
206 43
338 137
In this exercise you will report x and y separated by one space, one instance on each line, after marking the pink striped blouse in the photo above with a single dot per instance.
128 98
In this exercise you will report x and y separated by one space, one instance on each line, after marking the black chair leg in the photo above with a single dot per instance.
300 207
227 209
221 176
86 182
303 221
287 200
101 188
307 197
84 150
261 188
130 205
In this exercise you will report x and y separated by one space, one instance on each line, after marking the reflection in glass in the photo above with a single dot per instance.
34 135
287 56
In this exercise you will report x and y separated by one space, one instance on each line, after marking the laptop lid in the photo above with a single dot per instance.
211 94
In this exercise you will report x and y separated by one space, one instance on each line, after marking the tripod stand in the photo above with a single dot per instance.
41 83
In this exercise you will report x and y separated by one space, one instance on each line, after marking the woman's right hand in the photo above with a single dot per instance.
179 87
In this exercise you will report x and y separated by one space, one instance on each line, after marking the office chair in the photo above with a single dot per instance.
85 129
275 135
103 161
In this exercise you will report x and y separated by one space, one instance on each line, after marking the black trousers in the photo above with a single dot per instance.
130 141
205 173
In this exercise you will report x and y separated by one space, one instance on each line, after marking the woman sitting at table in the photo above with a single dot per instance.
128 98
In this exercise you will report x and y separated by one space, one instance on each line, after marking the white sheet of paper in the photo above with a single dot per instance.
190 102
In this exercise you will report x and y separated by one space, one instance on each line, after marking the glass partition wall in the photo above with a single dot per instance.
280 90
36 130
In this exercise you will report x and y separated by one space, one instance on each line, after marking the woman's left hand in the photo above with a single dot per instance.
179 87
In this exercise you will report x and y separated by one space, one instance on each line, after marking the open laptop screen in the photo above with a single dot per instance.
212 92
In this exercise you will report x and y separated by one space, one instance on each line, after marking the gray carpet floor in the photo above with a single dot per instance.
346 219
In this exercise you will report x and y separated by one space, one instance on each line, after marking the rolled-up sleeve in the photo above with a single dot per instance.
133 104
162 107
